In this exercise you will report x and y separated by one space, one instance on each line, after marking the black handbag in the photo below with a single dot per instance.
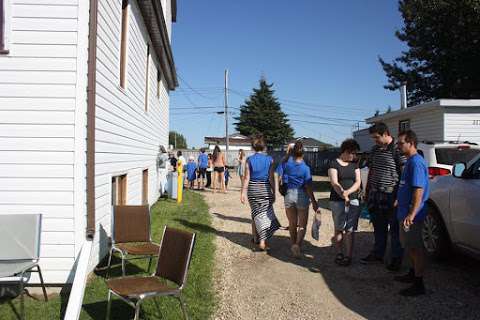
282 187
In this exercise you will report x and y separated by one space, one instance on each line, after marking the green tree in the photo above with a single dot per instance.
443 56
177 140
262 113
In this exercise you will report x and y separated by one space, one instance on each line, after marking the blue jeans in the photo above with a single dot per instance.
382 224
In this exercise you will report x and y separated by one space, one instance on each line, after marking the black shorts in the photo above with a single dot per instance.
202 172
219 169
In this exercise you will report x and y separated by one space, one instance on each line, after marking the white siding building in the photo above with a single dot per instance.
439 120
84 103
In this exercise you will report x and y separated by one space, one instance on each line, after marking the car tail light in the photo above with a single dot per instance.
463 147
433 172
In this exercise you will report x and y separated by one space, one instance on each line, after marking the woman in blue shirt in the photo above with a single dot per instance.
259 186
296 175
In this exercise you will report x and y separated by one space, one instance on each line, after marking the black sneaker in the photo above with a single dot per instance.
371 259
395 265
413 291
406 278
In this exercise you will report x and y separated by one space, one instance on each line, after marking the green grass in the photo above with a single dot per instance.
191 215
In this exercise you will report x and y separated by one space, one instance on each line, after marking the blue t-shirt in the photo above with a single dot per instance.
259 165
203 161
414 175
191 168
279 170
296 174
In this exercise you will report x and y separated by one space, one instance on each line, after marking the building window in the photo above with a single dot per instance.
3 26
124 44
145 187
403 125
119 190
147 78
159 83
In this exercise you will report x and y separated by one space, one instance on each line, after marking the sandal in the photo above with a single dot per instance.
346 262
339 258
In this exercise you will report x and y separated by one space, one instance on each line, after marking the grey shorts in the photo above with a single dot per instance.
344 221
413 238
296 198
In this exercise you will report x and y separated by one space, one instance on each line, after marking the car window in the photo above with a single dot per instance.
450 156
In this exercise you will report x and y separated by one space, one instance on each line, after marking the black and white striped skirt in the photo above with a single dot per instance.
260 198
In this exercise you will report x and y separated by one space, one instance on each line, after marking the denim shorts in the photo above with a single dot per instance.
296 198
344 221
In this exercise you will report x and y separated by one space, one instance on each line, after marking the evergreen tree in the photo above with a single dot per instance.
262 113
443 59
177 140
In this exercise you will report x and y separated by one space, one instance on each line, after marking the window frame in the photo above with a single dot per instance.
4 26
124 27
119 190
401 125
145 187
147 78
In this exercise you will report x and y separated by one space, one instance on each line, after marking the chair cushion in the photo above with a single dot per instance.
144 248
9 268
134 286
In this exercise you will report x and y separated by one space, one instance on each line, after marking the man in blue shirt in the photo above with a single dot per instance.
411 211
202 168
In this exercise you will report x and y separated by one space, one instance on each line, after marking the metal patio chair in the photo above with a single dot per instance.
173 263
131 235
20 251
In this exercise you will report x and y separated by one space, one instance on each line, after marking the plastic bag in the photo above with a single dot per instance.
317 222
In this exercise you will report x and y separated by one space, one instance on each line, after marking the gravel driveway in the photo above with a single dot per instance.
253 285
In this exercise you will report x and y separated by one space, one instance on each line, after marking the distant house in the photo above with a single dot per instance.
438 120
311 144
84 104
236 142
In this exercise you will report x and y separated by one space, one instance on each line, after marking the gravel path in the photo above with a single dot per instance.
253 285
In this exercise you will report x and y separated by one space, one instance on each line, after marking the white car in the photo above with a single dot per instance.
453 217
440 157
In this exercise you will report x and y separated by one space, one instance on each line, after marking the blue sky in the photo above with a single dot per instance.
322 57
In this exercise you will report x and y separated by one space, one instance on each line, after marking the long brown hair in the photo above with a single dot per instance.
242 154
216 153
297 151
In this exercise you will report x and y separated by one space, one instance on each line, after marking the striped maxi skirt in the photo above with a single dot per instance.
260 198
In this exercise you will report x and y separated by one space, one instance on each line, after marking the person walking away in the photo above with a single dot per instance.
191 172
209 171
227 177
173 162
219 164
411 212
345 181
202 169
298 179
241 165
385 166
259 188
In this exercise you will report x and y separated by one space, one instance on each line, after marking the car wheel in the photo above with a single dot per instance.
434 235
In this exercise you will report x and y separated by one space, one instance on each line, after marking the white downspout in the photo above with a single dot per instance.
75 300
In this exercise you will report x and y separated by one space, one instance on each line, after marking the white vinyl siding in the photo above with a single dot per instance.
127 137
462 125
38 105
427 125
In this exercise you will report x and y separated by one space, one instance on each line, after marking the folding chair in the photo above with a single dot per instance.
131 235
173 263
20 251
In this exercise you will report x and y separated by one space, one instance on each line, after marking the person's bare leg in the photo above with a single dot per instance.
222 180
338 237
302 224
418 257
214 181
292 224
348 242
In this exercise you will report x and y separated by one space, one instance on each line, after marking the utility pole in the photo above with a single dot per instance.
226 111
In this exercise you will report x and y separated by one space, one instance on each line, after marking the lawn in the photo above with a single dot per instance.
191 215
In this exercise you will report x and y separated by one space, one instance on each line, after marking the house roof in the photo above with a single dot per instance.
233 139
311 142
441 103
152 13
